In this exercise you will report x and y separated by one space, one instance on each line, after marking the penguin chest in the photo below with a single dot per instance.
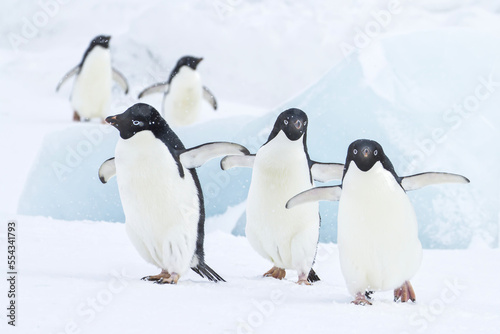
182 102
92 89
162 209
281 171
377 231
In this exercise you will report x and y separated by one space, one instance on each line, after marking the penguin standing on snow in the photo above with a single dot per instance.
378 240
160 192
91 95
182 93
281 167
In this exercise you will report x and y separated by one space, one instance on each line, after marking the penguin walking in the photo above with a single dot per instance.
91 95
378 240
161 193
281 167
182 93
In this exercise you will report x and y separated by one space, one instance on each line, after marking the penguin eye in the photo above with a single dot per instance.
375 152
137 123
355 151
286 122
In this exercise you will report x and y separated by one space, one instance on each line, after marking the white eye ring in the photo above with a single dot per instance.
375 152
137 123
355 151
286 122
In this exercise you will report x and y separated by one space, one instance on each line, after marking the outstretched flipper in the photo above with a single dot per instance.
204 270
197 156
325 172
159 87
68 75
107 170
418 181
315 195
232 161
209 97
120 80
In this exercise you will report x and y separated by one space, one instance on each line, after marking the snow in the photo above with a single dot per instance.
406 85
84 277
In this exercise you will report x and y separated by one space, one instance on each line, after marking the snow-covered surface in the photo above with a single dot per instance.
84 277
405 78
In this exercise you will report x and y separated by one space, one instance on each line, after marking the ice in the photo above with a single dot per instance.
405 103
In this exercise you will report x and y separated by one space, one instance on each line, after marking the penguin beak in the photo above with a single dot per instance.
112 120
366 152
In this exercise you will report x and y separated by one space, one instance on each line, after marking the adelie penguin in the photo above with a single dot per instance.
161 193
378 240
281 169
91 95
182 93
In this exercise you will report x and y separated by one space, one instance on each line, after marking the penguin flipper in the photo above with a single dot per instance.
159 87
417 181
209 97
232 161
325 172
315 195
107 170
120 80
197 156
204 270
68 75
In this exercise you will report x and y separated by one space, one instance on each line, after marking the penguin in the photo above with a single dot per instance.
182 93
378 242
91 95
281 168
160 192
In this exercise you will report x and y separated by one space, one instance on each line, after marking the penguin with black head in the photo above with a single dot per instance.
160 192
281 169
91 95
378 240
182 93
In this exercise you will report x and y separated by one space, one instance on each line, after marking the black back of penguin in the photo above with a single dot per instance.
101 40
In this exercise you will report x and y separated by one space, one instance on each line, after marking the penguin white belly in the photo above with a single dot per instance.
161 208
288 238
378 240
182 103
92 89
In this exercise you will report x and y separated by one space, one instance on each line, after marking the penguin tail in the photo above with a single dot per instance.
313 277
204 270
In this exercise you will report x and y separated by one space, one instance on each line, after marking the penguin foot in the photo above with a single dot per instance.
76 116
172 279
404 293
276 272
361 299
303 280
163 278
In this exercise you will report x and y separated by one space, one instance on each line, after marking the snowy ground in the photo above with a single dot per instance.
83 277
